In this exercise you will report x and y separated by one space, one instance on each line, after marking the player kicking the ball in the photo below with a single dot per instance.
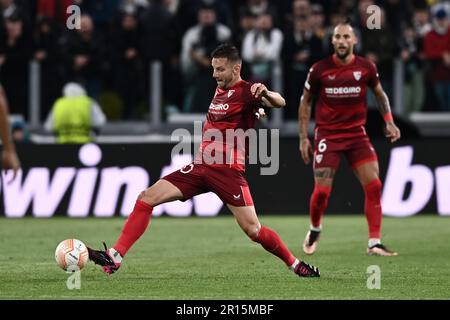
340 83
233 107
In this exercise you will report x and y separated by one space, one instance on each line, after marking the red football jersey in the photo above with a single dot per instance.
341 107
230 110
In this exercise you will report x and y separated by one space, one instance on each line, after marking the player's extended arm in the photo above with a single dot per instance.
304 115
269 98
9 155
392 132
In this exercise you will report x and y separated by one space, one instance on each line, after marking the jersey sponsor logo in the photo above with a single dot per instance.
343 91
357 75
219 107
331 76
230 93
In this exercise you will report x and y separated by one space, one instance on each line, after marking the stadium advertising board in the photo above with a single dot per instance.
104 181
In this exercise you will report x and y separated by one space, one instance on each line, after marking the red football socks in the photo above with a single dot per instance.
318 203
272 242
372 207
134 227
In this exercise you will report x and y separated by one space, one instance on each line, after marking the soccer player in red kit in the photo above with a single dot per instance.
340 84
233 107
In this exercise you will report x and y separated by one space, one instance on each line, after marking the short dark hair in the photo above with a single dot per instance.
226 50
348 21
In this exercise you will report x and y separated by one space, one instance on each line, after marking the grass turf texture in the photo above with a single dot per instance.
211 258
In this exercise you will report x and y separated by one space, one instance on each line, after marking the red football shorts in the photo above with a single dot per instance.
229 184
357 150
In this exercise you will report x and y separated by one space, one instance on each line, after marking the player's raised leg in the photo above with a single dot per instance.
162 191
248 221
323 181
368 175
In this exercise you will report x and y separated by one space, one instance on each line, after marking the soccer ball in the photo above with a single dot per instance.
71 254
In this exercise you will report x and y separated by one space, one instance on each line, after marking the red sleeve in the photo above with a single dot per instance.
312 83
373 79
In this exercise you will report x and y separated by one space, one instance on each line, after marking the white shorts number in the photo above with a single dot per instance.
322 146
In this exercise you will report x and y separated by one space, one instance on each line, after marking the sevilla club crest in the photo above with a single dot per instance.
357 75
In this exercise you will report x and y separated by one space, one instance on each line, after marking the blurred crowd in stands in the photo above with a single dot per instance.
110 54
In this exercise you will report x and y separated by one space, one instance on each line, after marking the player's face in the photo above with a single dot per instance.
225 72
344 40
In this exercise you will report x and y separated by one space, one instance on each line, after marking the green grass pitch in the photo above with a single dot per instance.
211 258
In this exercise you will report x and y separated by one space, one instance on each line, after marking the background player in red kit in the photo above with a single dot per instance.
233 107
340 83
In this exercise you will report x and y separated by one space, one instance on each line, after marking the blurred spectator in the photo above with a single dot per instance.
197 45
379 46
301 49
421 21
437 52
336 18
132 6
413 89
247 22
261 48
9 158
22 8
158 32
74 117
127 65
15 53
187 12
159 40
349 8
20 132
56 9
317 20
101 11
47 53
85 56
398 13
259 7
300 8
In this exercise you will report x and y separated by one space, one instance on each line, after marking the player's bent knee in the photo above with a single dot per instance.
252 232
148 197
141 195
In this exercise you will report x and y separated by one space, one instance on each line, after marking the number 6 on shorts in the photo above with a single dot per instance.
322 146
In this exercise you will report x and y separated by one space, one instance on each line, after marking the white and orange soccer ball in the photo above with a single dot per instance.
71 254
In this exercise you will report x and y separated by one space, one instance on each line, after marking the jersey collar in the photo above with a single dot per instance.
339 64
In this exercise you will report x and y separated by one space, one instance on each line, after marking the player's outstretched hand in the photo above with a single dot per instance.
392 132
306 150
10 160
258 90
